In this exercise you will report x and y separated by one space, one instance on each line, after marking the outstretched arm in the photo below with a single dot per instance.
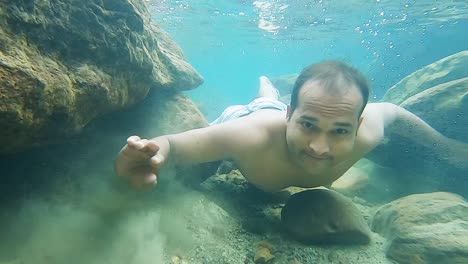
400 121
140 160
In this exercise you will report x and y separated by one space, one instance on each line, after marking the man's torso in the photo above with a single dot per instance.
268 165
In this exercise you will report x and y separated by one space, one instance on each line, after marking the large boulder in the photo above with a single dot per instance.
444 106
324 217
425 228
447 69
65 62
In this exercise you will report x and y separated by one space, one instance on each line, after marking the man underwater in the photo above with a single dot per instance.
327 128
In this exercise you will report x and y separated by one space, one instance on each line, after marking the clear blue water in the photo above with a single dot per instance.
232 42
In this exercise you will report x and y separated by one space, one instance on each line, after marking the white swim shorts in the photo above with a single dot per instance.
237 111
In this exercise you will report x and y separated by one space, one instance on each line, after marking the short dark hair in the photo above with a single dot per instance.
331 74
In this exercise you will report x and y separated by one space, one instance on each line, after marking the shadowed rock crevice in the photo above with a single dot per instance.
64 63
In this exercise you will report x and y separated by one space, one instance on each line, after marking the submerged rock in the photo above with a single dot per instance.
425 228
64 63
324 217
437 93
263 255
447 69
444 106
352 181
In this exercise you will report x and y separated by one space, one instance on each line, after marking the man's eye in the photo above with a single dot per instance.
341 131
307 125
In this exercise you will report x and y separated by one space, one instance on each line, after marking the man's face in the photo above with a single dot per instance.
322 129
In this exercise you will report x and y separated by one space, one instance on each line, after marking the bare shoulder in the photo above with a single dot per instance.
229 140
263 124
371 130
248 132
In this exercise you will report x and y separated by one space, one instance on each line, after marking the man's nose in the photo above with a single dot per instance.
320 145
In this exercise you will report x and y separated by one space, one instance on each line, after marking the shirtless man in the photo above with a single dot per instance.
325 130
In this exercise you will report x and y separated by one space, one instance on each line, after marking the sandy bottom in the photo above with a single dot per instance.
223 222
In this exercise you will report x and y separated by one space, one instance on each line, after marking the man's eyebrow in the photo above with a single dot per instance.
314 119
343 124
309 118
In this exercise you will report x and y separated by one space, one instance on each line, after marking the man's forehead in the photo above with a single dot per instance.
328 87
314 93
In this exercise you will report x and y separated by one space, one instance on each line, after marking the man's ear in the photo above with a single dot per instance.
288 112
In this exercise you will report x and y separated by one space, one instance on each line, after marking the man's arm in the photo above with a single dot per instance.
399 121
402 122
212 143
141 159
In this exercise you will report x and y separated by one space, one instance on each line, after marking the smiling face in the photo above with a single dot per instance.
321 131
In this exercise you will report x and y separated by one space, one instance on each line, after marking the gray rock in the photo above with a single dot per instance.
447 69
425 228
325 217
444 107
65 63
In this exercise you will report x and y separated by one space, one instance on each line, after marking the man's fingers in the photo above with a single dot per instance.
139 144
150 147
157 160
134 142
149 179
133 139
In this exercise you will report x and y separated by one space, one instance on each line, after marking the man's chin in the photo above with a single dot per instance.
316 166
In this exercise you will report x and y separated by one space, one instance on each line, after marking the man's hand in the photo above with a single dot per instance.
140 160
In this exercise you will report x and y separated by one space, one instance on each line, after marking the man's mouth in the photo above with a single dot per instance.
317 157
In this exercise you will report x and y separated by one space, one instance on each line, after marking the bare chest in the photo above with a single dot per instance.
271 172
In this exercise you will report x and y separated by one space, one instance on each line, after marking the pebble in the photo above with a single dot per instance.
263 255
